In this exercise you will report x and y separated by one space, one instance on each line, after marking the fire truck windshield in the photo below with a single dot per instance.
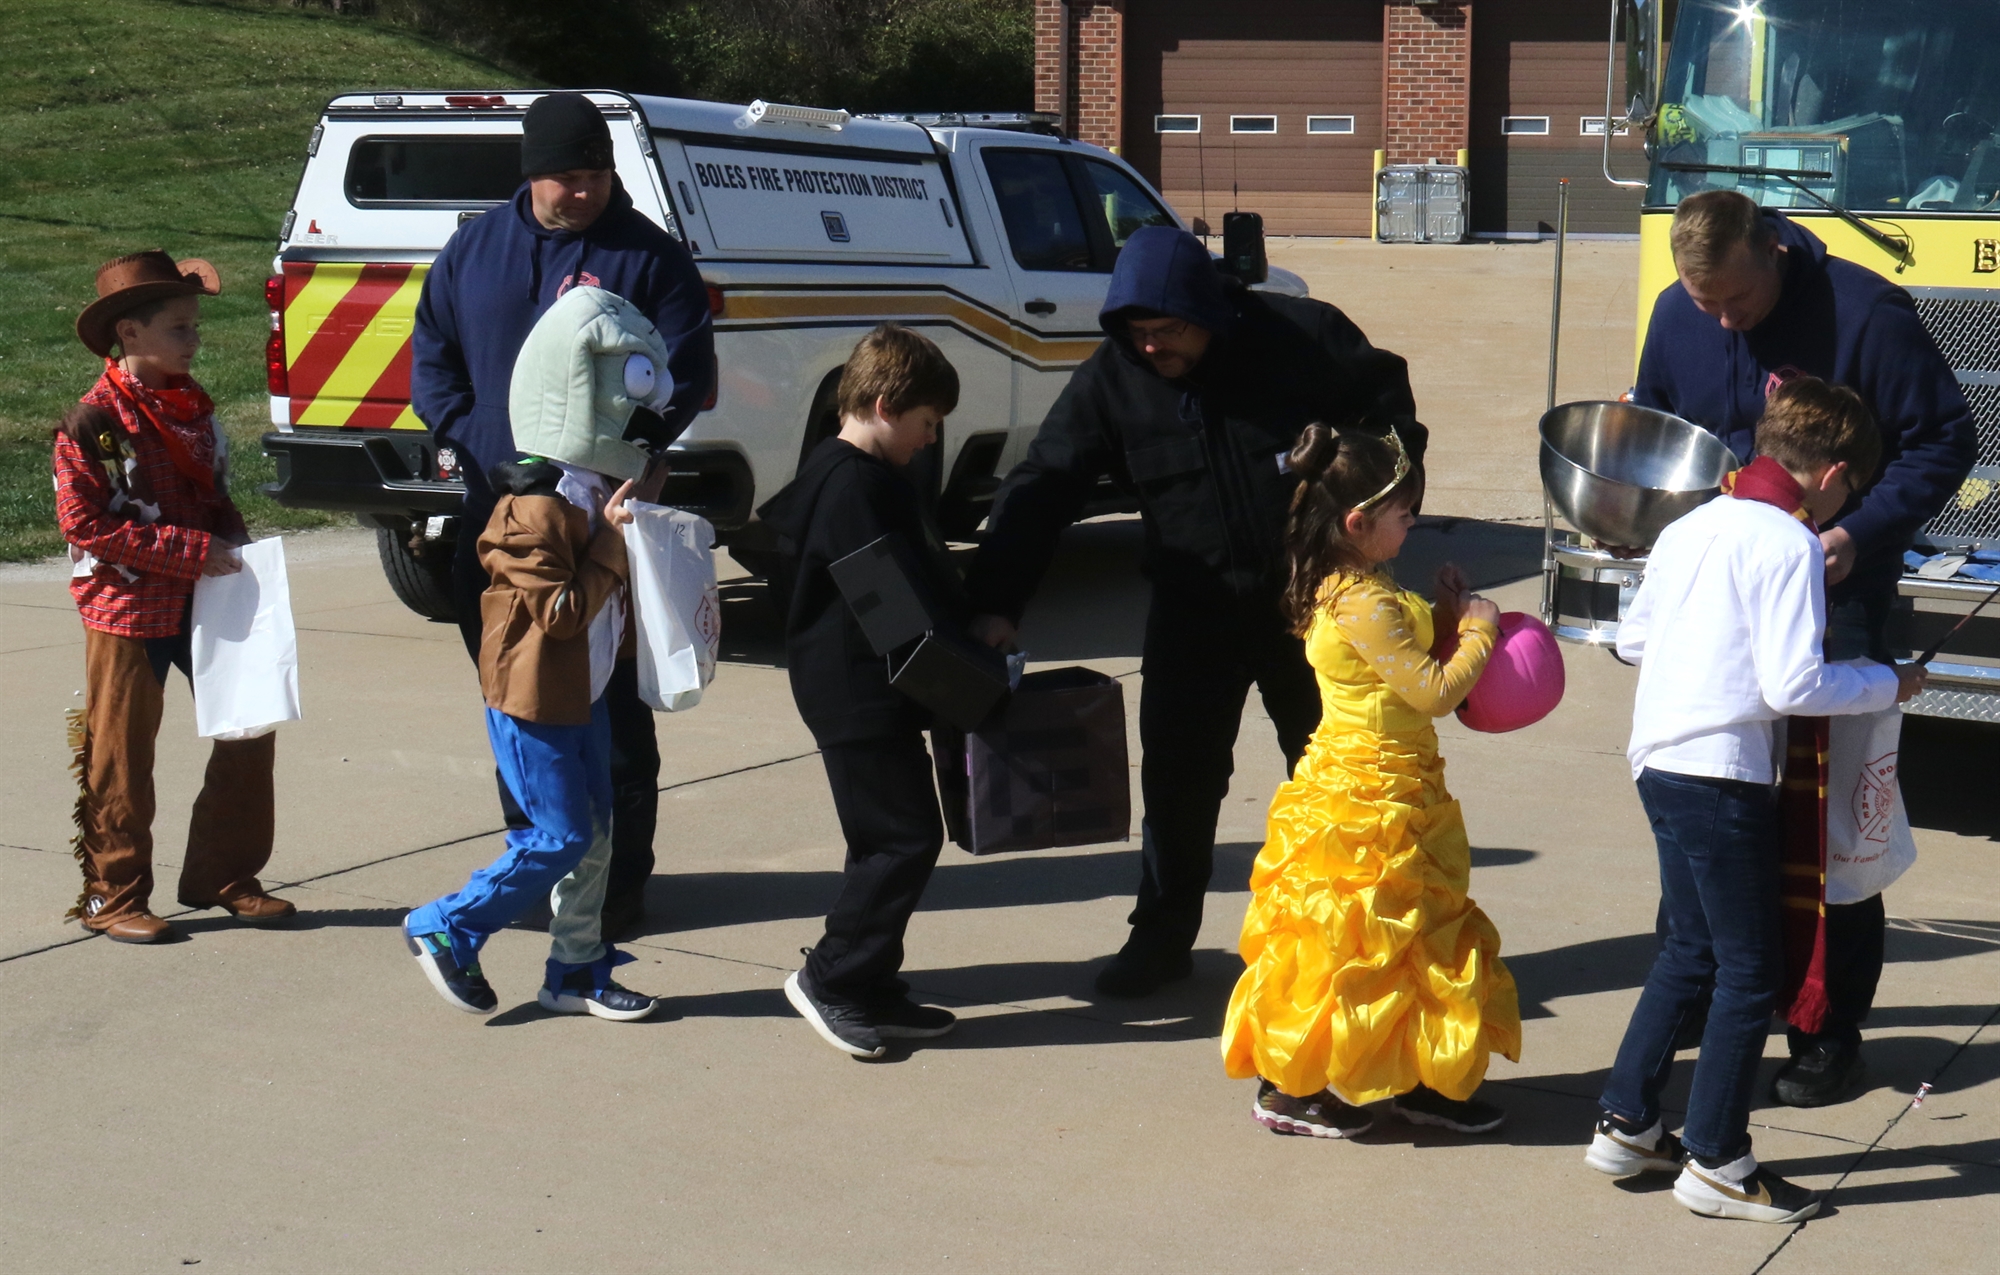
1898 101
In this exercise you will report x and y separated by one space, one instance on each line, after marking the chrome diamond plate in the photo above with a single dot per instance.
1970 706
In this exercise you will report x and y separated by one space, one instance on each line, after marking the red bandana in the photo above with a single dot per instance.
1802 802
182 416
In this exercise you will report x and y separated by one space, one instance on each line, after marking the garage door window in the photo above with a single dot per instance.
1177 123
1126 204
1044 226
1253 123
1525 126
1338 124
450 172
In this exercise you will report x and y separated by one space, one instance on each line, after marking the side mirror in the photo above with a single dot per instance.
1643 26
1243 247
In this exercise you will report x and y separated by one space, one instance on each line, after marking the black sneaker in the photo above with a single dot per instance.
1829 1071
462 986
900 1018
844 1026
1324 1115
1621 1151
1140 970
578 993
1424 1105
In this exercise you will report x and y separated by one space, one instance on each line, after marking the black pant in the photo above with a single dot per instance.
1854 934
1203 651
635 748
886 797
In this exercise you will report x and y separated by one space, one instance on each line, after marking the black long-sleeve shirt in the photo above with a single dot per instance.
843 500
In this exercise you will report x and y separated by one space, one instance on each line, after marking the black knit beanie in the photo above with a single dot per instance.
563 131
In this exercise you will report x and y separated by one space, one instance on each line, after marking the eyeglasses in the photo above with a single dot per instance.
1402 472
1173 331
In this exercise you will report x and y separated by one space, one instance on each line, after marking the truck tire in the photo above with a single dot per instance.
420 580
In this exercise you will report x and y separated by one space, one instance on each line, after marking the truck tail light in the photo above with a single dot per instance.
714 383
275 376
715 302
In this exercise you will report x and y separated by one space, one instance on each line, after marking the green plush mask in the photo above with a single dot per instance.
589 363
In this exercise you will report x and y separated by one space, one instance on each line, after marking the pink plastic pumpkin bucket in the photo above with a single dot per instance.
1523 682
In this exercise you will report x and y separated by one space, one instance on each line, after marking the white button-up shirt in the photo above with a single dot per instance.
1726 629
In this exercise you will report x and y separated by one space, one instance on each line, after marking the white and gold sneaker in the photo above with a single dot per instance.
1742 1189
1621 1154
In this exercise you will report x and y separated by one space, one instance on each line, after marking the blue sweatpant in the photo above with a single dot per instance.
561 778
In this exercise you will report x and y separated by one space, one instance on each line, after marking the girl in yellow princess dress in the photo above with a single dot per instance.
1371 974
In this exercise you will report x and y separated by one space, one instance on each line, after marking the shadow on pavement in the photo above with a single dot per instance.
1946 770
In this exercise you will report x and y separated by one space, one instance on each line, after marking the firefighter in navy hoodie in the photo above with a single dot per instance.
1191 405
570 224
1759 302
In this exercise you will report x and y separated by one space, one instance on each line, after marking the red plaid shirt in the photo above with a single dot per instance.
165 554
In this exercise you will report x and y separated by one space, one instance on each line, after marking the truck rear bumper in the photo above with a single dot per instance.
389 473
1965 675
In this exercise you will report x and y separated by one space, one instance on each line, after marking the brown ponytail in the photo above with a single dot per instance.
1337 472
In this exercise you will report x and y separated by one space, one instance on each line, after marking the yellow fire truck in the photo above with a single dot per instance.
1876 123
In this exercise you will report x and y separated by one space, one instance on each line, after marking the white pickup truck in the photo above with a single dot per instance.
993 234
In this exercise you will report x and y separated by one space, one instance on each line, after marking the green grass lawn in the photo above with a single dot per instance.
174 124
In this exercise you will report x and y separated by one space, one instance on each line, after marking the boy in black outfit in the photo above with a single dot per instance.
894 394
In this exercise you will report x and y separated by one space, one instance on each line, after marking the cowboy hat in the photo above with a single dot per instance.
124 283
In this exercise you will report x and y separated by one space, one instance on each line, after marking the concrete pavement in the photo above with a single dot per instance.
300 1101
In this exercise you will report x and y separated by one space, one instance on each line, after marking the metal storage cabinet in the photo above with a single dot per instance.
1421 203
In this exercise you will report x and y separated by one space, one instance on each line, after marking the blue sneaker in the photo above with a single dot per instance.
462 986
589 989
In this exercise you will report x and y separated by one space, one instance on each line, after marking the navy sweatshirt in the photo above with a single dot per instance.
499 273
1847 325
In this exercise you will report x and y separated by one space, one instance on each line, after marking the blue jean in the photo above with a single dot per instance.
1719 842
561 777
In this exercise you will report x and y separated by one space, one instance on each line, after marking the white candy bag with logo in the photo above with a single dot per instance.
1868 841
245 652
672 555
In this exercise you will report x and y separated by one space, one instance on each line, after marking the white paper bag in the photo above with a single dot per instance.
1868 841
245 651
672 553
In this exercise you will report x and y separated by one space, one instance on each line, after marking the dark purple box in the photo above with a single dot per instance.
1049 771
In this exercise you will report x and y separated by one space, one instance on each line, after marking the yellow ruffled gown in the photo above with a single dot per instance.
1370 971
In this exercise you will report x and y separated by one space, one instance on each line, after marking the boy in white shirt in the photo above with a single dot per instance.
1727 630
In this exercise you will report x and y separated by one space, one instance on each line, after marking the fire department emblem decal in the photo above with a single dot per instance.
708 625
1875 798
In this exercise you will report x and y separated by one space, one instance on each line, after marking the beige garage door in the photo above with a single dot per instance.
1274 107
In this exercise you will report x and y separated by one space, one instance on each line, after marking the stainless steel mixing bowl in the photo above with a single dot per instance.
1620 473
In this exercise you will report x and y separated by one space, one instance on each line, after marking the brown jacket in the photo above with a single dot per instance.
550 577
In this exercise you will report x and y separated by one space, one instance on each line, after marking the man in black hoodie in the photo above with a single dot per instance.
895 392
1191 406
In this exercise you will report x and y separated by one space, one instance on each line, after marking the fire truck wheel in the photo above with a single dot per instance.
421 578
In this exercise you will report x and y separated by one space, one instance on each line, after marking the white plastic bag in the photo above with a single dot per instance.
1868 841
672 553
245 651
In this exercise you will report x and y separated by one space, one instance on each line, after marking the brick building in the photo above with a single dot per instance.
1286 107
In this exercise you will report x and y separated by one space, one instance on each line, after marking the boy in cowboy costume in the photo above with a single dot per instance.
142 497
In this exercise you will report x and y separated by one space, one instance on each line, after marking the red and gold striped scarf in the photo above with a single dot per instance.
1801 800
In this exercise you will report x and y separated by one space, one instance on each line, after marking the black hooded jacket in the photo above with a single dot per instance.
1202 454
842 500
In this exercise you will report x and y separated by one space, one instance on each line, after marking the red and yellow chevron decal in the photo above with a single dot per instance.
347 342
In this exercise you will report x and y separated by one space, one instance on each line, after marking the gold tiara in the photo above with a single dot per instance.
1402 472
